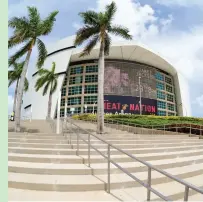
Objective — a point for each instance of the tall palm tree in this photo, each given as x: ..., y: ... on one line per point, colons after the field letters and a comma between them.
x: 97, y: 29
x: 14, y: 76
x: 27, y: 31
x: 48, y: 80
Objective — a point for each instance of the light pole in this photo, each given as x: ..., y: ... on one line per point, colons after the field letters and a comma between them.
x: 140, y: 96
x: 58, y: 114
x: 94, y: 105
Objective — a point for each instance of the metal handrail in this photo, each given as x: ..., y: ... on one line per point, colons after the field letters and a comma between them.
x: 150, y: 166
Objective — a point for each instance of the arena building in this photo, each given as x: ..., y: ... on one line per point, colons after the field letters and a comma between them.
x: 164, y: 90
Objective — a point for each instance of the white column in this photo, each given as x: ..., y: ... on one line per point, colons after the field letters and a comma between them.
x: 58, y: 114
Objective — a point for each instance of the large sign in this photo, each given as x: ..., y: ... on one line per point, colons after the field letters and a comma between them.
x: 115, y: 104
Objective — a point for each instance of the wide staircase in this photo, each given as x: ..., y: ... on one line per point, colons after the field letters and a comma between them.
x: 51, y: 167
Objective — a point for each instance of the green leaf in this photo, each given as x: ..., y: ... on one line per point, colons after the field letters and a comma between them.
x: 42, y: 53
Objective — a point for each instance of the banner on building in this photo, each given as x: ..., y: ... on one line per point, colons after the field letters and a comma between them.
x: 115, y: 104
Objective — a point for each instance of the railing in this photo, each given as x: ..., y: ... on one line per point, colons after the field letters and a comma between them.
x: 150, y: 167
x: 152, y: 128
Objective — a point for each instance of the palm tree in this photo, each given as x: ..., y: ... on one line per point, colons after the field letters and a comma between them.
x: 27, y: 31
x: 14, y: 76
x: 48, y: 80
x: 97, y: 29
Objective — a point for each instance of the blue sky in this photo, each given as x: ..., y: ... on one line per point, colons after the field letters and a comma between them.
x: 174, y: 28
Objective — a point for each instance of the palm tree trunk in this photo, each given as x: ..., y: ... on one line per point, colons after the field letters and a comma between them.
x: 15, y: 97
x: 100, y: 98
x: 49, y: 104
x: 20, y: 92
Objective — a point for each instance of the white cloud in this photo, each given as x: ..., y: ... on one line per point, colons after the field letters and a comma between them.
x: 185, y: 3
x: 183, y: 49
x: 199, y: 101
x: 10, y: 104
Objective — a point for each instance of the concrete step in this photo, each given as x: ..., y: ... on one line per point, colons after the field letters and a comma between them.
x: 68, y: 151
x: 100, y: 146
x: 40, y: 158
x: 82, y: 169
x: 173, y: 190
x: 90, y: 182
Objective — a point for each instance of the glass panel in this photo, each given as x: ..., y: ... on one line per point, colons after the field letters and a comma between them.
x: 63, y: 102
x: 62, y: 112
x: 63, y: 92
x: 76, y: 111
x: 160, y: 86
x: 170, y: 98
x: 169, y: 89
x: 91, y: 89
x: 171, y: 107
x: 91, y: 78
x: 74, y: 101
x: 168, y: 80
x: 161, y: 95
x: 74, y: 90
x: 91, y: 69
x: 75, y: 80
x: 159, y: 76
x: 76, y: 70
x: 161, y: 113
x: 90, y: 99
x: 161, y: 105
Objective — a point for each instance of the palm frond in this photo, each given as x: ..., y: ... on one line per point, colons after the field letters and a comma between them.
x: 11, y: 81
x: 54, y: 85
x: 18, y: 23
x: 34, y: 19
x: 46, y: 25
x: 107, y: 43
x: 46, y: 88
x: 40, y: 82
x: 20, y: 53
x: 90, y: 18
x: 26, y: 85
x: 110, y: 11
x: 91, y: 44
x: 85, y: 33
x: 53, y: 67
x: 121, y: 31
x: 42, y: 53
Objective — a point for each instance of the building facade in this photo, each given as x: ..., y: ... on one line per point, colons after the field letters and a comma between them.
x: 130, y: 69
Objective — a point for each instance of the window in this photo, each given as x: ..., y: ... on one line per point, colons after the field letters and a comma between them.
x: 161, y: 95
x: 76, y: 111
x: 90, y: 89
x: 76, y: 70
x: 63, y: 92
x: 75, y: 90
x: 161, y: 105
x: 160, y: 86
x: 171, y: 114
x: 170, y: 98
x: 62, y: 112
x: 75, y: 80
x: 168, y: 80
x: 91, y: 69
x: 159, y: 76
x: 74, y: 101
x: 161, y: 113
x: 65, y: 81
x: 90, y: 99
x: 91, y: 78
x: 171, y: 107
x: 63, y: 102
x: 169, y: 89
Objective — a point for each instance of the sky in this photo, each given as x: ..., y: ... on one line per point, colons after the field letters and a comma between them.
x: 173, y: 28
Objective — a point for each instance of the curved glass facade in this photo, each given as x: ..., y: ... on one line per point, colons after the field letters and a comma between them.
x: 80, y: 86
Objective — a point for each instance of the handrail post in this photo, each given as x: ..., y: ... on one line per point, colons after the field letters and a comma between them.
x: 186, y: 193
x: 77, y: 144
x: 149, y: 181
x: 89, y: 150
x: 152, y: 130
x: 109, y: 172
x: 164, y: 129
x: 190, y: 129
